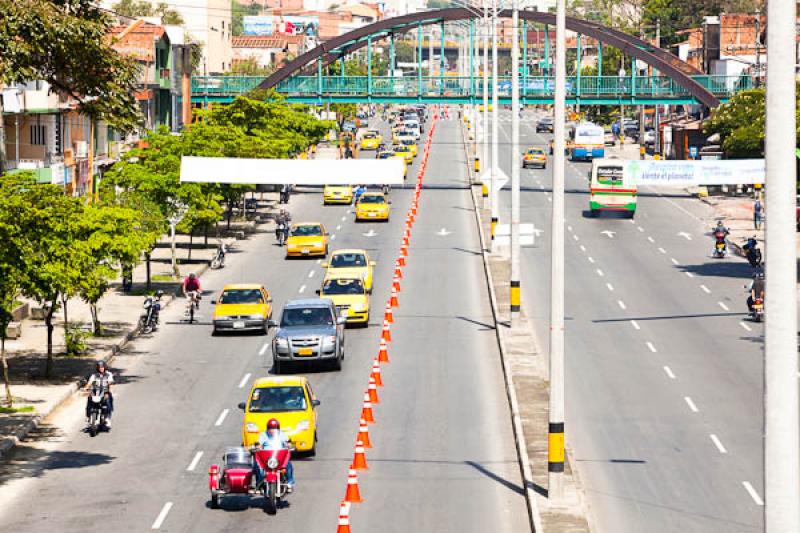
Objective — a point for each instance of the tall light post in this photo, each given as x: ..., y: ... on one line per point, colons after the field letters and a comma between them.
x: 494, y: 195
x: 555, y: 448
x: 514, y: 291
x: 485, y: 153
x: 781, y: 440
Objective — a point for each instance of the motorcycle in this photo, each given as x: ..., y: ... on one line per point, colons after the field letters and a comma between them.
x: 238, y: 476
x: 720, y: 246
x: 148, y: 321
x: 218, y: 261
x: 757, y: 314
x: 98, y: 409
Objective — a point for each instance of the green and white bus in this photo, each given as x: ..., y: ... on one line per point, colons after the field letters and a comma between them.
x: 610, y: 189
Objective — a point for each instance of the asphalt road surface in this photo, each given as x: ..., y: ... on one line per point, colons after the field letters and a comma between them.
x: 443, y: 457
x: 663, y: 368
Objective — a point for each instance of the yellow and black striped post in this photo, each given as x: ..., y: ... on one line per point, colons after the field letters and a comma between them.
x: 555, y: 447
x: 494, y: 226
x: 515, y: 296
x: 484, y: 190
x: 478, y: 169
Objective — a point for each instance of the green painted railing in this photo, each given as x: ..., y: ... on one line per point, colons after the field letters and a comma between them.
x: 535, y: 87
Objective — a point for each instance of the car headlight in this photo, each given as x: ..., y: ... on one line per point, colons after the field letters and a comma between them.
x: 331, y: 339
x: 359, y: 307
x: 251, y: 428
x: 272, y: 463
x: 281, y: 342
x: 303, y: 425
x: 255, y: 317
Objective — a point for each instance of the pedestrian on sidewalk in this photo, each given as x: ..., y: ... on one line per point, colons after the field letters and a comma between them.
x: 758, y: 213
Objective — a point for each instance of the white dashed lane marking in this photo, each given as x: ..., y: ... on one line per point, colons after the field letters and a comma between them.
x: 609, y: 286
x: 162, y: 516
x: 196, y: 459
x: 635, y: 325
x: 600, y: 273
x: 668, y: 371
x: 691, y: 404
x: 723, y: 306
x: 244, y: 381
x: 705, y: 289
x: 651, y: 347
x: 221, y: 417
x: 753, y: 494
x: 745, y: 326
x: 621, y: 304
x: 718, y: 444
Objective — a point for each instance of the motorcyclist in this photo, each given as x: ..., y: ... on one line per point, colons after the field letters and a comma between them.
x: 282, y: 221
x: 358, y: 192
x: 284, y: 194
x: 191, y: 288
x: 720, y: 233
x: 753, y: 253
x: 756, y: 289
x: 274, y: 439
x: 105, y: 379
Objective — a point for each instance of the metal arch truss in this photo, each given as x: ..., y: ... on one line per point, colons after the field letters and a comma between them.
x: 659, y: 59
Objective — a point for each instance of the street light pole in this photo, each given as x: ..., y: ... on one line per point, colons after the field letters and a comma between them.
x: 781, y: 411
x: 485, y: 121
x: 494, y: 194
x: 555, y: 448
x: 515, y: 167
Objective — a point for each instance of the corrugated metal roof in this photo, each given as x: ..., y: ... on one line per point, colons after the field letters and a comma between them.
x: 266, y: 41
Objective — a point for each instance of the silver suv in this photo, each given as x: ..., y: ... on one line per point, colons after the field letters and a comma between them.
x: 309, y: 330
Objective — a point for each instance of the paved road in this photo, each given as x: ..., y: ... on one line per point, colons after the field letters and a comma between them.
x: 444, y: 456
x: 663, y: 369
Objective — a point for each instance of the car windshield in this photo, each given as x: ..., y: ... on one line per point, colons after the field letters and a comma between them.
x: 408, y: 142
x: 306, y: 231
x: 369, y: 136
x: 242, y: 296
x: 372, y: 199
x: 400, y: 149
x: 385, y: 155
x: 277, y: 399
x: 307, y: 316
x: 348, y: 261
x: 343, y: 286
x: 536, y: 151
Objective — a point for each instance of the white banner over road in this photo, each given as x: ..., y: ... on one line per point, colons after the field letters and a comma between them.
x: 681, y: 173
x: 293, y: 171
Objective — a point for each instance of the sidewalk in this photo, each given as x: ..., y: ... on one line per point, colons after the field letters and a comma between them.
x: 118, y: 314
x: 736, y: 212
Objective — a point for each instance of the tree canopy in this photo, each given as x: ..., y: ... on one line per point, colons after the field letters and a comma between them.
x: 142, y: 8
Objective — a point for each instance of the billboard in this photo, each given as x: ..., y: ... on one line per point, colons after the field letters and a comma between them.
x: 288, y: 24
x: 680, y: 173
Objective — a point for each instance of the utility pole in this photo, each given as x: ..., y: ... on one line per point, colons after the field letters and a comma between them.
x: 485, y: 155
x: 781, y: 410
x: 758, y: 49
x: 555, y: 441
x: 515, y: 164
x: 494, y: 195
x: 656, y: 116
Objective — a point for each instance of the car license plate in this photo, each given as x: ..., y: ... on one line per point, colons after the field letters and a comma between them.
x: 304, y: 251
x: 305, y: 351
x: 373, y: 215
x: 238, y: 324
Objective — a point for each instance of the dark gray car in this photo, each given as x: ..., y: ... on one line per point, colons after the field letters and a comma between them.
x: 309, y: 330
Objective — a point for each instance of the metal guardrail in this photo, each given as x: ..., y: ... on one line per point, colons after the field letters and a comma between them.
x: 465, y: 87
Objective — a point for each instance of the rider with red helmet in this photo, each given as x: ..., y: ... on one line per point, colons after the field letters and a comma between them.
x: 274, y: 439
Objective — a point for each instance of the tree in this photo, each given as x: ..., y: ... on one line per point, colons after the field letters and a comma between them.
x: 678, y: 15
x: 142, y: 8
x: 238, y: 12
x: 65, y: 43
x: 250, y: 67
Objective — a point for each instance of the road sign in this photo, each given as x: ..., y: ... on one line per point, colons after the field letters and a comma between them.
x: 501, y: 178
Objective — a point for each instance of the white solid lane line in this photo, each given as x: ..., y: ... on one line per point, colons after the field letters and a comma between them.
x: 691, y: 404
x: 745, y: 326
x: 263, y: 349
x: 610, y: 287
x: 311, y: 274
x: 651, y: 347
x: 651, y: 239
x: 689, y: 274
x: 705, y: 289
x: 591, y: 259
x: 723, y: 306
x: 600, y: 273
x: 302, y: 289
x: 621, y: 304
x: 221, y: 417
x: 753, y: 494
x: 196, y: 460
x: 674, y: 261
x: 162, y: 515
x: 635, y: 324
x: 245, y: 379
x: 663, y: 251
x: 669, y: 373
x: 718, y: 444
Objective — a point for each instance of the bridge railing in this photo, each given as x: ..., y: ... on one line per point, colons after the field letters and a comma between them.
x: 450, y: 86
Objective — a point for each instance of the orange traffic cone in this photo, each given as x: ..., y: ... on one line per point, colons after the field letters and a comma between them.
x: 388, y: 315
x: 366, y: 411
x: 376, y: 372
x: 403, y: 251
x: 398, y: 272
x: 363, y: 434
x: 385, y: 333
x: 393, y: 302
x: 353, y: 495
x: 383, y: 353
x: 401, y: 261
x: 372, y: 390
x: 344, y: 514
x: 359, y: 459
x: 396, y: 284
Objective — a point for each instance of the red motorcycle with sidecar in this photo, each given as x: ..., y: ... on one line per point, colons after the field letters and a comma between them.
x: 238, y: 475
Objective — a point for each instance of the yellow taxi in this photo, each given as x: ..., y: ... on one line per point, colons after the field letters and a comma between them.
x: 349, y: 295
x: 412, y: 145
x: 370, y: 141
x: 291, y: 401
x: 372, y: 206
x: 534, y: 157
x: 337, y: 194
x: 403, y: 151
x: 350, y: 263
x: 242, y: 307
x: 307, y: 239
x: 488, y: 108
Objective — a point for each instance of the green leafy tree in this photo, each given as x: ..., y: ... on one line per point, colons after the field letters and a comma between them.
x: 250, y: 67
x: 238, y: 12
x: 142, y: 8
x: 678, y: 15
x: 65, y: 43
x: 740, y: 124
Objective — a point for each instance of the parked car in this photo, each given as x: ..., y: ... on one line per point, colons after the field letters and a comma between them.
x: 309, y: 330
